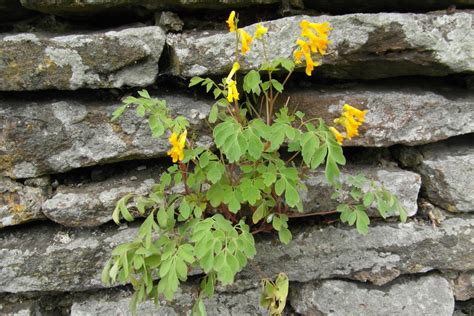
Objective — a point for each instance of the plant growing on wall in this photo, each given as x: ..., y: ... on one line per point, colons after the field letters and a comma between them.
x: 207, y: 206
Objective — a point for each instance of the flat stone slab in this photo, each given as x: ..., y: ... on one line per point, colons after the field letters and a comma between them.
x: 113, y: 302
x: 379, y: 257
x: 112, y: 59
x: 366, y: 46
x: 20, y: 203
x: 53, y: 258
x: 58, y: 135
x: 92, y: 204
x: 405, y: 185
x: 426, y: 295
x: 447, y: 172
x: 398, y: 113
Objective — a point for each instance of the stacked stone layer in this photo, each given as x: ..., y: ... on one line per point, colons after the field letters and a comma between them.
x: 56, y: 199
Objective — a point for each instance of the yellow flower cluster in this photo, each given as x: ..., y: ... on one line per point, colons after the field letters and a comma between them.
x: 311, y: 43
x: 351, y: 118
x: 232, y: 92
x: 245, y: 38
x: 177, y: 151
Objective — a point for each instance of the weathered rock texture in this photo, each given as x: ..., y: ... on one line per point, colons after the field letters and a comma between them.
x: 381, y: 256
x: 365, y: 46
x: 403, y: 184
x: 112, y: 303
x: 429, y: 295
x: 20, y: 203
x: 92, y: 204
x: 447, y: 171
x: 53, y: 136
x: 384, y: 6
x: 398, y: 114
x: 50, y: 258
x: 111, y: 59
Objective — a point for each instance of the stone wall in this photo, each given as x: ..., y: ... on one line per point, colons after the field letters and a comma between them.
x: 65, y: 66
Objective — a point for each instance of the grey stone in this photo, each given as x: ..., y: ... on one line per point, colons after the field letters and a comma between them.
x: 53, y: 258
x: 405, y: 185
x: 426, y: 295
x: 463, y: 286
x: 398, y: 113
x: 67, y: 7
x: 116, y: 302
x: 169, y: 21
x: 20, y: 203
x: 365, y: 46
x: 15, y: 306
x: 447, y: 170
x: 379, y: 257
x: 385, y: 6
x: 112, y: 59
x: 92, y: 204
x: 58, y: 135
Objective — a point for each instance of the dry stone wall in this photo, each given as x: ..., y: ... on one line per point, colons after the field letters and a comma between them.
x: 66, y: 65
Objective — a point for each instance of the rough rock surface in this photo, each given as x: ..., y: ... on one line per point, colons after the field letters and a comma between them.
x: 428, y: 295
x: 112, y: 59
x: 403, y: 184
x: 51, y: 258
x: 67, y: 7
x: 244, y: 303
x: 92, y: 204
x: 463, y: 286
x: 365, y: 46
x: 385, y: 253
x: 384, y: 6
x: 20, y: 203
x: 447, y: 170
x: 57, y: 135
x: 398, y: 113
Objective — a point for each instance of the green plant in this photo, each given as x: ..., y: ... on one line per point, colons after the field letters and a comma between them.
x: 206, y: 208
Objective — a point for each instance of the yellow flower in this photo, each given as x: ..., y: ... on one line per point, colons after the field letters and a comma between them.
x: 305, y: 50
x: 261, y: 30
x: 232, y: 92
x: 177, y: 151
x: 246, y: 40
x: 235, y: 67
x: 231, y: 21
x: 339, y: 136
x: 318, y: 44
x: 297, y: 54
x: 360, y: 115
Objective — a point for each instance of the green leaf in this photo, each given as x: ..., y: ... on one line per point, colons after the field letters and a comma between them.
x: 292, y: 196
x: 277, y: 85
x: 368, y: 198
x: 119, y: 111
x: 249, y: 191
x: 194, y: 81
x: 213, y: 113
x: 332, y: 171
x: 260, y: 212
x: 184, y: 209
x: 363, y: 221
x: 144, y: 94
x: 252, y: 82
x: 284, y: 235
x: 269, y: 178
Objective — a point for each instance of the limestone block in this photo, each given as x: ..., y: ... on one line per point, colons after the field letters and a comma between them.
x: 60, y: 134
x: 20, y: 203
x: 53, y: 258
x: 426, y: 295
x: 398, y: 113
x: 367, y: 46
x: 447, y: 172
x: 112, y: 59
